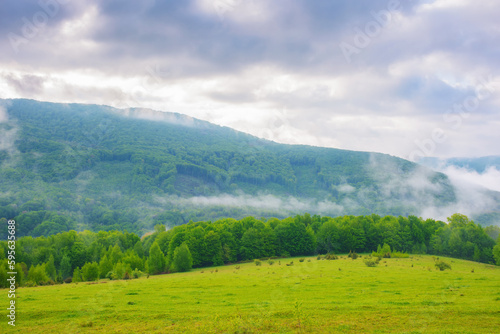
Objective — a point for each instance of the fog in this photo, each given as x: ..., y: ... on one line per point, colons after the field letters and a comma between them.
x: 263, y: 202
x: 8, y: 132
x: 417, y: 189
x: 489, y: 179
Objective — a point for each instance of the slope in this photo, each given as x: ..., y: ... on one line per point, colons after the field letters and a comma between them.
x: 73, y: 166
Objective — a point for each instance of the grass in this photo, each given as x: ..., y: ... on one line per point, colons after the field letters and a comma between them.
x: 317, y: 296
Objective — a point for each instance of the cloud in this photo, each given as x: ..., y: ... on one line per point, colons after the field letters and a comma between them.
x: 273, y: 69
x: 8, y: 134
x: 489, y: 179
x: 25, y: 84
x: 4, y: 116
x: 285, y: 205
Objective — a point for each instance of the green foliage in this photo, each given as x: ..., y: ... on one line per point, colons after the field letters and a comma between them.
x: 353, y: 255
x: 77, y: 275
x: 331, y: 256
x: 441, y: 265
x: 183, y: 261
x: 385, y: 252
x: 496, y: 252
x: 371, y: 262
x: 229, y: 240
x: 65, y: 267
x: 257, y: 262
x: 134, y: 162
x: 50, y: 268
x: 137, y: 273
x: 90, y: 272
x: 38, y: 275
x: 328, y: 237
x: 399, y: 255
x: 105, y: 266
x: 156, y: 259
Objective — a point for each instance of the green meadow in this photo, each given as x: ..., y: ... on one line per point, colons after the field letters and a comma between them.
x: 405, y: 295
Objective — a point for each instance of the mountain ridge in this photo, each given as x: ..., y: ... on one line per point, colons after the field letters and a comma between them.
x: 95, y: 167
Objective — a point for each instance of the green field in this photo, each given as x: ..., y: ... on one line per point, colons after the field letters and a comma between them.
x: 315, y: 296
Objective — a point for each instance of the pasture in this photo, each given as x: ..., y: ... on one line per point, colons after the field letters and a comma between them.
x: 405, y: 295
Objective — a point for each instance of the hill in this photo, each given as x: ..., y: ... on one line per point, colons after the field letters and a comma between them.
x: 74, y: 166
x: 314, y: 296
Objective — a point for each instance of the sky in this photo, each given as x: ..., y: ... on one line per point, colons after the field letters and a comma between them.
x: 407, y: 78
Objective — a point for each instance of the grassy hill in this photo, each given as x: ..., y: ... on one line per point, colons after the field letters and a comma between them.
x: 405, y: 295
x: 73, y: 166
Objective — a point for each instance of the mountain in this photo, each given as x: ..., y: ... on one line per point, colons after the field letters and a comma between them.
x: 481, y: 171
x: 74, y: 166
x: 479, y: 165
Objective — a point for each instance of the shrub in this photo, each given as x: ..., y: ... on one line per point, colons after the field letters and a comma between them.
x: 271, y: 262
x: 111, y: 275
x: 370, y: 262
x: 331, y: 256
x: 353, y: 255
x: 302, y: 260
x: 441, y: 265
x: 136, y: 273
x: 399, y: 255
x: 319, y: 257
x: 257, y: 262
x: 68, y: 280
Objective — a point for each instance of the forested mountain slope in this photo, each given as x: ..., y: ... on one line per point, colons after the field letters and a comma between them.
x: 73, y: 166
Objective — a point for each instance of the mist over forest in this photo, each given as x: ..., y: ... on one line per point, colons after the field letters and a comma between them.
x: 74, y: 166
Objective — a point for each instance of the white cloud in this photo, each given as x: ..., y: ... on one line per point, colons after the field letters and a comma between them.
x: 271, y: 70
x: 489, y: 179
x: 285, y: 206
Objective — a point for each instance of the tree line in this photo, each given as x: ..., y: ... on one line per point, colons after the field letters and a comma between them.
x: 87, y: 256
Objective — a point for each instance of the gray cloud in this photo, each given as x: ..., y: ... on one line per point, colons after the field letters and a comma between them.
x: 25, y: 84
x: 225, y: 60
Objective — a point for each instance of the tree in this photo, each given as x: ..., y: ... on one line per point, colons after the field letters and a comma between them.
x: 328, y: 237
x: 78, y: 254
x: 50, y: 268
x: 156, y: 259
x: 496, y: 252
x: 213, y: 249
x: 133, y: 260
x: 105, y: 266
x: 37, y: 274
x: 115, y: 254
x: 183, y: 261
x: 65, y: 267
x: 90, y: 271
x: 458, y: 220
x: 77, y: 275
x: 138, y: 249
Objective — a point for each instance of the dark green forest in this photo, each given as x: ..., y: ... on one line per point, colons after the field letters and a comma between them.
x: 88, y: 167
x: 87, y: 256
